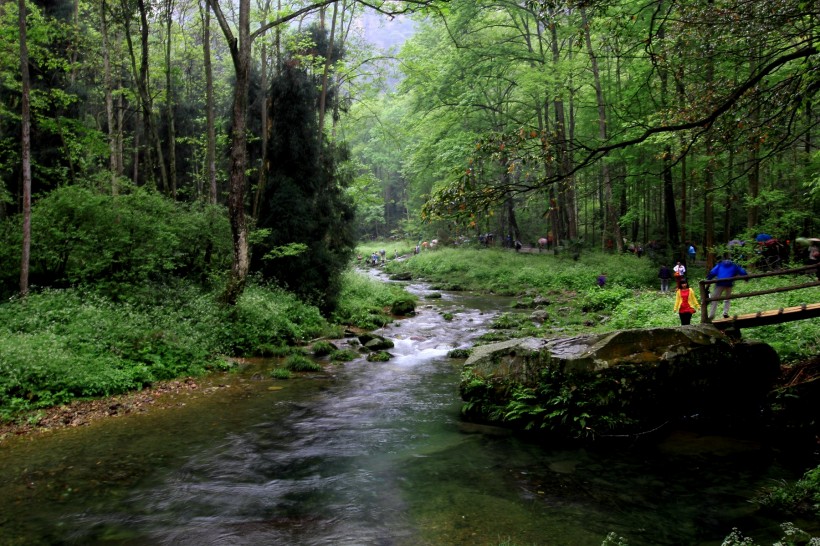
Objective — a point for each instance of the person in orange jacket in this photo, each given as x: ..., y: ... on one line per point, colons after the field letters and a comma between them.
x: 686, y: 303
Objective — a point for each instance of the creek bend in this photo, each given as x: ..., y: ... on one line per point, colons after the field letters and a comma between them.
x: 369, y: 454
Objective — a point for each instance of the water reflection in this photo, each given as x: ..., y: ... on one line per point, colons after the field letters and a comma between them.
x: 367, y: 454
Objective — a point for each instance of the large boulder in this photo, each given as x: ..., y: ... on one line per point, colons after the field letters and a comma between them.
x: 625, y: 383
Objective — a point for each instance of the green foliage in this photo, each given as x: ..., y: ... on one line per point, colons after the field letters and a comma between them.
x: 378, y: 356
x: 290, y: 249
x: 344, y: 355
x: 80, y: 236
x: 271, y: 316
x: 792, y: 536
x: 305, y: 207
x: 365, y: 302
x: 58, y: 345
x: 281, y: 373
x: 322, y: 348
x: 569, y: 405
x: 614, y: 539
x: 301, y: 363
x: 506, y: 272
x: 459, y: 353
x: 606, y: 298
x: 798, y: 498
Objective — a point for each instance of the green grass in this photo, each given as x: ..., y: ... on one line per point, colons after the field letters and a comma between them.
x: 301, y: 363
x: 60, y: 345
x: 344, y: 355
x: 365, y: 302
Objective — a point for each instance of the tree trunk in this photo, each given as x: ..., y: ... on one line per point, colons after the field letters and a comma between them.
x: 169, y: 102
x: 210, y: 145
x: 25, y: 156
x: 752, y: 218
x: 240, y: 54
x: 514, y: 229
x: 262, y: 174
x: 325, y: 71
x: 566, y: 191
x: 669, y: 210
x: 109, y: 100
x: 709, y: 173
x: 612, y: 227
x: 145, y: 99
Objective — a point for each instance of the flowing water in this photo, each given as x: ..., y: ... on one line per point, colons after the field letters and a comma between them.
x: 368, y: 454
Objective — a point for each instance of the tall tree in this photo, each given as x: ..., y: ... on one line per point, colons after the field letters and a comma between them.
x: 240, y: 50
x: 305, y: 206
x: 169, y: 99
x: 210, y: 131
x: 25, y: 156
x: 613, y: 228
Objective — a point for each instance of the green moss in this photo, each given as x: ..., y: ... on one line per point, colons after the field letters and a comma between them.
x: 379, y: 356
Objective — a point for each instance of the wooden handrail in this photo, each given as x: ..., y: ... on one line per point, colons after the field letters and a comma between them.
x: 706, y: 299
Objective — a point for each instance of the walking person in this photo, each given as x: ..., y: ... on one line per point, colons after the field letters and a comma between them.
x: 679, y: 271
x: 686, y: 303
x: 725, y: 269
x: 692, y: 253
x: 664, y: 274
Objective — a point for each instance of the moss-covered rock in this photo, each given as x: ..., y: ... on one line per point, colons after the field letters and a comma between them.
x: 621, y: 383
x: 403, y: 307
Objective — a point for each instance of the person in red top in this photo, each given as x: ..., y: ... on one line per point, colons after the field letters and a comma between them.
x: 686, y: 303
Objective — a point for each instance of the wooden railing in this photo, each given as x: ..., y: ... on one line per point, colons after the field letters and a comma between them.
x: 809, y: 309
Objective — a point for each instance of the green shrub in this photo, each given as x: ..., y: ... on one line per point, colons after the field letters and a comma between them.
x: 280, y: 373
x: 301, y: 363
x: 797, y: 498
x: 322, y: 348
x: 509, y: 321
x: 344, y: 355
x: 365, y: 302
x: 266, y: 315
x: 116, y: 242
x: 59, y: 345
x: 607, y: 298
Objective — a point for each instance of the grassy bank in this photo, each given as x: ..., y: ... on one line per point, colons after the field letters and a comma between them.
x: 62, y: 345
x: 631, y: 298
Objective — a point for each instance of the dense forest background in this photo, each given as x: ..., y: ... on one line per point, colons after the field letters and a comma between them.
x: 213, y: 141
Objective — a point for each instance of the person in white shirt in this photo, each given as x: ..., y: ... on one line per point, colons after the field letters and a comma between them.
x: 679, y: 271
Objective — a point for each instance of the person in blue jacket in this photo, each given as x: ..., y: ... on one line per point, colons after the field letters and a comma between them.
x: 725, y: 269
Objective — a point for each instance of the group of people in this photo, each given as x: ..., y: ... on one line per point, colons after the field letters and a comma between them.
x: 686, y: 301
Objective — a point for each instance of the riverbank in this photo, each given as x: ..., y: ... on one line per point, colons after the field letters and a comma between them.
x: 566, y: 289
x: 165, y: 395
x: 58, y: 347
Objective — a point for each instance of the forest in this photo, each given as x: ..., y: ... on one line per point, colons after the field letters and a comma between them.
x: 187, y: 182
x: 287, y: 136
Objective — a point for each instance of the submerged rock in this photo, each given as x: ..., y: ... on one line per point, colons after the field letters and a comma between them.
x: 627, y: 382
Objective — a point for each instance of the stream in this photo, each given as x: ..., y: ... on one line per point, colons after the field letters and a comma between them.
x: 369, y: 454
